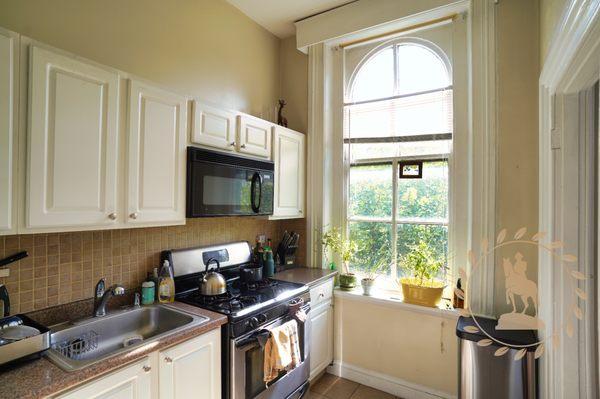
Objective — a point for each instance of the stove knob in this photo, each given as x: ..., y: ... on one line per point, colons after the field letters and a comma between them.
x: 262, y: 318
x: 254, y: 322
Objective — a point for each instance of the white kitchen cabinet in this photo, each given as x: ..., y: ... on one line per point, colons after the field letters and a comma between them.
x: 156, y: 155
x: 130, y: 382
x: 9, y: 73
x: 192, y: 369
x: 72, y: 142
x: 321, y: 317
x: 289, y: 158
x: 214, y: 127
x: 254, y: 136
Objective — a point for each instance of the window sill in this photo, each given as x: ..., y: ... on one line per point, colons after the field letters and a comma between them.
x: 388, y: 299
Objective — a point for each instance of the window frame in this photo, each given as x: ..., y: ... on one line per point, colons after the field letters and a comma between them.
x: 447, y: 157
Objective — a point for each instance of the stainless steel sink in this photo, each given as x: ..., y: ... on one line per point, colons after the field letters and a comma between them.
x: 75, y: 345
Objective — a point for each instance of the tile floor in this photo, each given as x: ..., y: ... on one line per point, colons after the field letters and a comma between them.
x: 331, y: 387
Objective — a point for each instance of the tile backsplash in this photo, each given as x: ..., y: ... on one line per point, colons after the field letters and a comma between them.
x: 64, y: 267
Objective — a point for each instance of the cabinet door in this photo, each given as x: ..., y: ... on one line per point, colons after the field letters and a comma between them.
x: 8, y: 129
x: 156, y: 155
x: 192, y: 369
x: 73, y: 135
x: 288, y: 155
x: 131, y: 382
x: 321, y: 344
x: 213, y: 127
x: 254, y: 136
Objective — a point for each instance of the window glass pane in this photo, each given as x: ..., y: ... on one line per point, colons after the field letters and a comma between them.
x: 374, y: 241
x: 425, y: 198
x: 364, y: 151
x: 375, y: 79
x: 371, y: 191
x: 429, y: 113
x: 410, y: 235
x: 420, y: 69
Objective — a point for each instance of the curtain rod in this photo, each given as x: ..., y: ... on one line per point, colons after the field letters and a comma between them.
x: 397, y: 31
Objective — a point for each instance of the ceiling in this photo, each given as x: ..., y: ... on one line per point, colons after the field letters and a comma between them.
x: 278, y: 16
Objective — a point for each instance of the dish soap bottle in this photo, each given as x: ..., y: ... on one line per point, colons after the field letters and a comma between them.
x: 166, y: 284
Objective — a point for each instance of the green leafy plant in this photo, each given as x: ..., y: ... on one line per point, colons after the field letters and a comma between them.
x: 422, y: 266
x: 333, y: 240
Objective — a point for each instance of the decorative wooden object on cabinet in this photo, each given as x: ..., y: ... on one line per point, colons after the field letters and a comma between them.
x: 214, y: 127
x: 192, y: 369
x: 130, y: 382
x: 254, y: 136
x: 72, y: 142
x: 9, y: 73
x: 289, y: 156
x: 321, y: 314
x: 156, y: 155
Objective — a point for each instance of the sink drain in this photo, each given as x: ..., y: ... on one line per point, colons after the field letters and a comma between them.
x: 134, y: 339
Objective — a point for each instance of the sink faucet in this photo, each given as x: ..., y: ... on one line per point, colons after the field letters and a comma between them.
x: 102, y: 296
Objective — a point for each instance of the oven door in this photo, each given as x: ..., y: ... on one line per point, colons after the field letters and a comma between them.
x: 226, y: 185
x: 247, y: 365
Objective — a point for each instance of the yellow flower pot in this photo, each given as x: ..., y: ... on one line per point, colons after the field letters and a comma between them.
x: 428, y: 295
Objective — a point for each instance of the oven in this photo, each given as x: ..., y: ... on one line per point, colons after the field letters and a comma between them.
x: 247, y: 359
x: 227, y: 185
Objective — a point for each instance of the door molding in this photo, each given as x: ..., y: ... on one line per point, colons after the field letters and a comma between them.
x: 568, y: 148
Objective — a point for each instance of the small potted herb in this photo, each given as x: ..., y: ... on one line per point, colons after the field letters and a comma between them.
x: 421, y: 285
x: 371, y: 271
x: 333, y: 241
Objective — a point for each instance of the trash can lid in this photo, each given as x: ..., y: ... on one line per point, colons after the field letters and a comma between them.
x: 510, y: 337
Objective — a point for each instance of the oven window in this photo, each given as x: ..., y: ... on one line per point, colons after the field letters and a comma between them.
x: 255, y: 359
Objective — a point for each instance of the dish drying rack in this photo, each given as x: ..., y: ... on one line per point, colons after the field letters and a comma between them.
x: 75, y: 348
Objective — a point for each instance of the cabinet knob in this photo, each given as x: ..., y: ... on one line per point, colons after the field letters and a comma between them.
x: 112, y: 216
x: 300, y: 211
x: 232, y: 144
x: 147, y: 368
x: 321, y: 295
x: 133, y: 215
x: 243, y: 146
x: 168, y: 359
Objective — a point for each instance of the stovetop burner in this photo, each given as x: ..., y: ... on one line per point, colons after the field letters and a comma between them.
x: 226, y: 302
x: 257, y: 285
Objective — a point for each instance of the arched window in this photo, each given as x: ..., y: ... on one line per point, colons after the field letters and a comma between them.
x: 398, y: 124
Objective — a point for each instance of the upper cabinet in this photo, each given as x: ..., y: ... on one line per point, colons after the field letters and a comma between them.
x: 213, y: 127
x: 156, y: 155
x: 254, y: 136
x: 8, y: 130
x: 289, y: 157
x: 72, y: 142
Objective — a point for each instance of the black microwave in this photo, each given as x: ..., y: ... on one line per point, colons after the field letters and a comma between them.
x: 221, y: 184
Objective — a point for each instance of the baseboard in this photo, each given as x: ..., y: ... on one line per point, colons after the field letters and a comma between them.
x: 386, y: 383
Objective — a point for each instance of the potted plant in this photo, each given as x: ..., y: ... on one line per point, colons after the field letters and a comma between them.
x: 421, y: 285
x: 333, y: 241
x: 371, y: 271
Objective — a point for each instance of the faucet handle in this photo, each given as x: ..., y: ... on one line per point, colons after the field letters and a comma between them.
x: 136, y: 300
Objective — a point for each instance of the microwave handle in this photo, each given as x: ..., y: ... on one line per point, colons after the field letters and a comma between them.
x: 256, y: 179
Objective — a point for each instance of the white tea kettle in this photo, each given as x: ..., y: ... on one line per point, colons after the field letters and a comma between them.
x: 213, y: 283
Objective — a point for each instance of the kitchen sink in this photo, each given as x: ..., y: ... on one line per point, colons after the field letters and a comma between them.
x: 78, y: 344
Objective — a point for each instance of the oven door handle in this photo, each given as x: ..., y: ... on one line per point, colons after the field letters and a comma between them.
x: 252, y: 338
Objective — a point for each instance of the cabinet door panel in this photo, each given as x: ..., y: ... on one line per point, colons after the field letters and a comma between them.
x: 131, y: 382
x: 192, y: 369
x: 254, y: 136
x: 321, y: 344
x: 73, y: 135
x: 213, y: 127
x: 8, y: 129
x: 157, y: 128
x: 289, y: 153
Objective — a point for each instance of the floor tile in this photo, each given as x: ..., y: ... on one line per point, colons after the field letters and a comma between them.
x: 364, y: 392
x: 323, y: 383
x: 314, y: 395
x: 333, y: 387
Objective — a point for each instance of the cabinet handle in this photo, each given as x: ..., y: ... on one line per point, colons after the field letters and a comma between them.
x: 112, y: 216
x: 168, y: 359
x: 147, y: 368
x: 321, y: 295
x: 300, y: 211
x: 232, y: 144
x: 133, y: 215
x: 243, y: 146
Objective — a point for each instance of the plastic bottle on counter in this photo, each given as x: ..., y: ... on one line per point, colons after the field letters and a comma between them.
x: 166, y: 284
x: 269, y: 264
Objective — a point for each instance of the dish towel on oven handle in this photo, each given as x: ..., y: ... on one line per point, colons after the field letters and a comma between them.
x: 282, y: 350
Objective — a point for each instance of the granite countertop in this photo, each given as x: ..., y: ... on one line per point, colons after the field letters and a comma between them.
x: 305, y: 275
x: 42, y: 378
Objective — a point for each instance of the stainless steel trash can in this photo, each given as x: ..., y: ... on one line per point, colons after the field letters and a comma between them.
x: 485, y: 376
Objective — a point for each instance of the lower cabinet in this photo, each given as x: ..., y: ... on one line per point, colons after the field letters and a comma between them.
x: 321, y: 339
x: 191, y: 369
x: 131, y: 382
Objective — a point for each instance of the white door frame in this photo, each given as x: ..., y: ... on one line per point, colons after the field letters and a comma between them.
x: 567, y: 192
